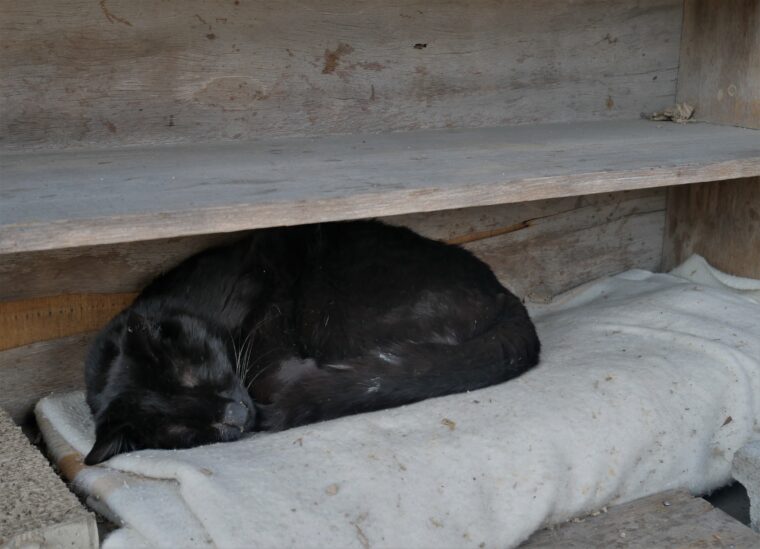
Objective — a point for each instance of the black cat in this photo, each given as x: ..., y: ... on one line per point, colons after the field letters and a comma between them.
x: 296, y: 325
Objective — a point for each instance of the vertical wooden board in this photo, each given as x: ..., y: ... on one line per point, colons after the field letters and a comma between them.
x: 720, y: 61
x: 718, y: 220
x: 87, y: 72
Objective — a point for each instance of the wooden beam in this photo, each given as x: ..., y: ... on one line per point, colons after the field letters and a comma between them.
x: 108, y: 196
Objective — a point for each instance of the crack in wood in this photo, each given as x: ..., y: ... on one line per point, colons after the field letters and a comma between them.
x: 112, y: 17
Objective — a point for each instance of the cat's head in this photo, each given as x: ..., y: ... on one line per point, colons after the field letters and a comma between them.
x: 168, y: 382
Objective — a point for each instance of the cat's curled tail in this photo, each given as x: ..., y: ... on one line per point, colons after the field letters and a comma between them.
x: 405, y: 371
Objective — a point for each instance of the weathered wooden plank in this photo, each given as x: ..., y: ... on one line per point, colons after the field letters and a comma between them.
x: 30, y: 372
x: 720, y: 61
x: 128, y: 267
x: 720, y: 221
x: 668, y: 519
x: 71, y: 199
x: 119, y: 72
x: 539, y: 249
x: 29, y: 320
x: 116, y: 268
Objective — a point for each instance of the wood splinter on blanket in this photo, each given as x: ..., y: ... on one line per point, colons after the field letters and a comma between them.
x: 679, y: 113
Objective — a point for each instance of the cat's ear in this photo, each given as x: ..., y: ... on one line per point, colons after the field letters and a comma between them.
x: 108, y: 443
x: 138, y: 336
x: 137, y: 324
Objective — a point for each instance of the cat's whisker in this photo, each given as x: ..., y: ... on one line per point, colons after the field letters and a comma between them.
x: 253, y: 363
x: 246, y: 361
x: 234, y: 351
x: 239, y: 362
x: 243, y: 362
x: 250, y: 383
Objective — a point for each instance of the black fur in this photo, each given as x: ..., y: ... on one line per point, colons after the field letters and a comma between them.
x: 295, y: 325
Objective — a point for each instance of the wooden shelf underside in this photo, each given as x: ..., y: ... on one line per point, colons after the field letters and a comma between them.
x: 87, y: 197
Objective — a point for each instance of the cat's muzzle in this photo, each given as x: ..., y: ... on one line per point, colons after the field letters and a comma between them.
x: 239, y: 417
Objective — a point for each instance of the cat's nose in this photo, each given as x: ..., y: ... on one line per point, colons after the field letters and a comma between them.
x: 236, y: 414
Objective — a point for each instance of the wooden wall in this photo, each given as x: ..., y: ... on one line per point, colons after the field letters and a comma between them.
x: 720, y: 61
x: 116, y: 72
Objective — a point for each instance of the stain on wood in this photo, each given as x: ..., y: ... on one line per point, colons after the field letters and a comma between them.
x: 160, y: 71
x: 332, y: 57
x: 718, y: 220
x: 28, y: 321
x: 720, y: 61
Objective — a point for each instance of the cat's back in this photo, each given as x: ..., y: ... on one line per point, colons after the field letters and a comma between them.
x: 374, y: 254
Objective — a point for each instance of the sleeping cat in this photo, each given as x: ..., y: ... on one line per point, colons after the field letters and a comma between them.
x: 295, y: 325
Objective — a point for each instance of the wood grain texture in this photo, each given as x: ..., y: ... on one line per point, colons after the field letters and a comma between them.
x: 114, y: 268
x: 30, y: 372
x: 57, y: 200
x: 84, y: 72
x: 720, y: 221
x: 669, y: 519
x: 720, y: 61
x: 128, y: 267
x: 42, y: 318
x: 539, y: 249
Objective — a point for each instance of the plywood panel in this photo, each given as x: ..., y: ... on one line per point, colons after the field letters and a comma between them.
x: 720, y: 221
x: 87, y: 72
x: 68, y: 199
x: 720, y: 61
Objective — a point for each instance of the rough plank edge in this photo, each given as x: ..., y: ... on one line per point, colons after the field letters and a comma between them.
x: 672, y: 518
x: 111, y: 230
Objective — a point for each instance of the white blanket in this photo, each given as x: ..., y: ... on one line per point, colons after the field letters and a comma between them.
x: 647, y: 382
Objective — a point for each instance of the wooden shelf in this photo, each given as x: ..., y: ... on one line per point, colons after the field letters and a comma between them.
x: 85, y: 197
